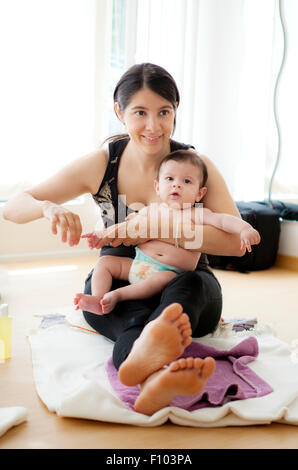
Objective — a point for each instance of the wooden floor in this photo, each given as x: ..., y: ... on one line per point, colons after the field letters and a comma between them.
x: 270, y: 295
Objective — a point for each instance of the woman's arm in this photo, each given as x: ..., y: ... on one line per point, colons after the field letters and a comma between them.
x: 44, y: 200
x: 201, y: 238
x: 139, y: 229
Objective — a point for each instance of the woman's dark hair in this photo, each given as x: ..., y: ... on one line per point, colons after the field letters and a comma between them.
x: 187, y: 156
x: 146, y: 75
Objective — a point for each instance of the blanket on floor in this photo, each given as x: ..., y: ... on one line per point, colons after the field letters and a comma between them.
x: 71, y: 378
x: 232, y: 378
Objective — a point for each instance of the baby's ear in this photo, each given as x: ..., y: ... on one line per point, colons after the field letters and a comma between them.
x: 156, y: 186
x: 201, y: 193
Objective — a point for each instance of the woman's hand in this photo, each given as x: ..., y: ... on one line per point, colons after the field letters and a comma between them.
x: 133, y: 231
x: 68, y: 222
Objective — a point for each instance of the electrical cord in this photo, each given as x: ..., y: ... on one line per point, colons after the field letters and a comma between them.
x: 275, y: 101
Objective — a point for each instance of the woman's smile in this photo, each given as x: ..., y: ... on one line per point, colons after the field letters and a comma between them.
x: 152, y: 140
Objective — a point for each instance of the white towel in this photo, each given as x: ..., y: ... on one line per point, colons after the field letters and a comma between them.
x: 70, y: 378
x: 11, y: 416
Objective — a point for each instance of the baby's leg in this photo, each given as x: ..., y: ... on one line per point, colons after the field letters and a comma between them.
x: 141, y: 290
x: 106, y: 269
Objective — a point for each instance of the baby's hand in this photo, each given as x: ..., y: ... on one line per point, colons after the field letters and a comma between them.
x: 249, y: 236
x: 93, y: 239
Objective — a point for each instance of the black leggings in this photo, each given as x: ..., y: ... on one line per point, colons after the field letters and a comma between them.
x: 198, y: 292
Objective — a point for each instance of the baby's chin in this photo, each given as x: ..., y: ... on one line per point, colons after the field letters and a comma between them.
x: 180, y: 204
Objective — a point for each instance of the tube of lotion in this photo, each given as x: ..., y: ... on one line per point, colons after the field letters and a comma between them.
x: 5, y: 332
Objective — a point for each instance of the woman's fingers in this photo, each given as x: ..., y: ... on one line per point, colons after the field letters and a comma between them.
x: 54, y: 222
x: 79, y: 229
x: 63, y: 227
x: 70, y: 227
x: 69, y: 223
x: 74, y: 229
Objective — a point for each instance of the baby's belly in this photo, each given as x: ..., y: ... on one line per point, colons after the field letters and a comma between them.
x: 168, y: 254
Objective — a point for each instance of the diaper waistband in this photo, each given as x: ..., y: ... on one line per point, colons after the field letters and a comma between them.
x: 141, y: 256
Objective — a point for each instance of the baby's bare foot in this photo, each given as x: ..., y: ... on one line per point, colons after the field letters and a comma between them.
x: 89, y: 303
x: 109, y: 301
x: 162, y: 341
x: 183, y: 377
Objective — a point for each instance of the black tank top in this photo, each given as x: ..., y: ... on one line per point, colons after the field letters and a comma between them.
x: 112, y: 208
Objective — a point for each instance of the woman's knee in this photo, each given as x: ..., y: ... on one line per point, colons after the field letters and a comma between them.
x: 187, y: 286
x: 198, y: 292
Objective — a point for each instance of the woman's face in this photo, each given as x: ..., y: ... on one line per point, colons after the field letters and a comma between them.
x: 149, y: 120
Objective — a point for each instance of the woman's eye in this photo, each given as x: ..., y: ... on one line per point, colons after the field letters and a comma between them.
x: 140, y: 113
x: 164, y: 112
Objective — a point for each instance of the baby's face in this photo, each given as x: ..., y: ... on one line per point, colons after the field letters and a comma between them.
x: 179, y: 184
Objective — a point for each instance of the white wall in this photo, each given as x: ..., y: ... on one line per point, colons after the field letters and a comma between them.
x: 288, y: 242
x: 34, y: 240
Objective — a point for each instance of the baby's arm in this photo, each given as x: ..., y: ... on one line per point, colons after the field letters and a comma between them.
x: 142, y: 212
x: 231, y: 224
x: 95, y: 238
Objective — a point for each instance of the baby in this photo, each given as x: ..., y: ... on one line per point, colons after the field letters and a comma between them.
x: 180, y: 184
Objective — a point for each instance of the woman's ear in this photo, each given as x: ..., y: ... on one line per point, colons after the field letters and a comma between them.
x: 201, y: 193
x: 118, y: 111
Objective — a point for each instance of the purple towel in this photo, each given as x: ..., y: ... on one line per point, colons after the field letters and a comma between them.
x: 232, y: 379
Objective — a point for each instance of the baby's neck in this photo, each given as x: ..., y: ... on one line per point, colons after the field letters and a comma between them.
x: 178, y: 207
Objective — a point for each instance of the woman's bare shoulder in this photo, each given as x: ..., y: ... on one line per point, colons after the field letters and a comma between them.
x: 91, y: 168
x: 82, y: 175
x: 218, y: 197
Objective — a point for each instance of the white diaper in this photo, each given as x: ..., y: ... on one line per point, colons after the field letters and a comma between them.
x: 144, y: 266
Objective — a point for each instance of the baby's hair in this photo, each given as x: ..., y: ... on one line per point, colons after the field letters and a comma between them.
x: 187, y: 156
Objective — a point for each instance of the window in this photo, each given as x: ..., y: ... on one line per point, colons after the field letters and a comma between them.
x: 46, y: 88
x: 117, y: 58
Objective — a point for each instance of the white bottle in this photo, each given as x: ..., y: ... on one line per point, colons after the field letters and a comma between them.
x: 5, y: 333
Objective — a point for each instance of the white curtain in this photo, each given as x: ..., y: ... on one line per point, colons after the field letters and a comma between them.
x: 54, y: 56
x: 200, y: 42
x: 225, y: 56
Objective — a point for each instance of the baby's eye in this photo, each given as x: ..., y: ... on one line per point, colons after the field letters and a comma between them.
x: 169, y: 178
x: 187, y: 181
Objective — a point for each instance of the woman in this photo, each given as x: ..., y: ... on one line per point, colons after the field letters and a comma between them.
x: 148, y: 334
